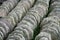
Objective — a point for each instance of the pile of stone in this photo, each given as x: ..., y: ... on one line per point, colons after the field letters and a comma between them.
x: 19, y: 19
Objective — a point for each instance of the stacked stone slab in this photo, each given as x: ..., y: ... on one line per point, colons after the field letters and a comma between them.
x: 24, y: 30
x: 7, y: 6
x: 51, y: 25
x: 8, y: 23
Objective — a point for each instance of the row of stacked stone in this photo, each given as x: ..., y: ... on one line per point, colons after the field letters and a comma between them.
x: 51, y: 25
x: 8, y: 23
x: 24, y: 30
x: 7, y: 6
